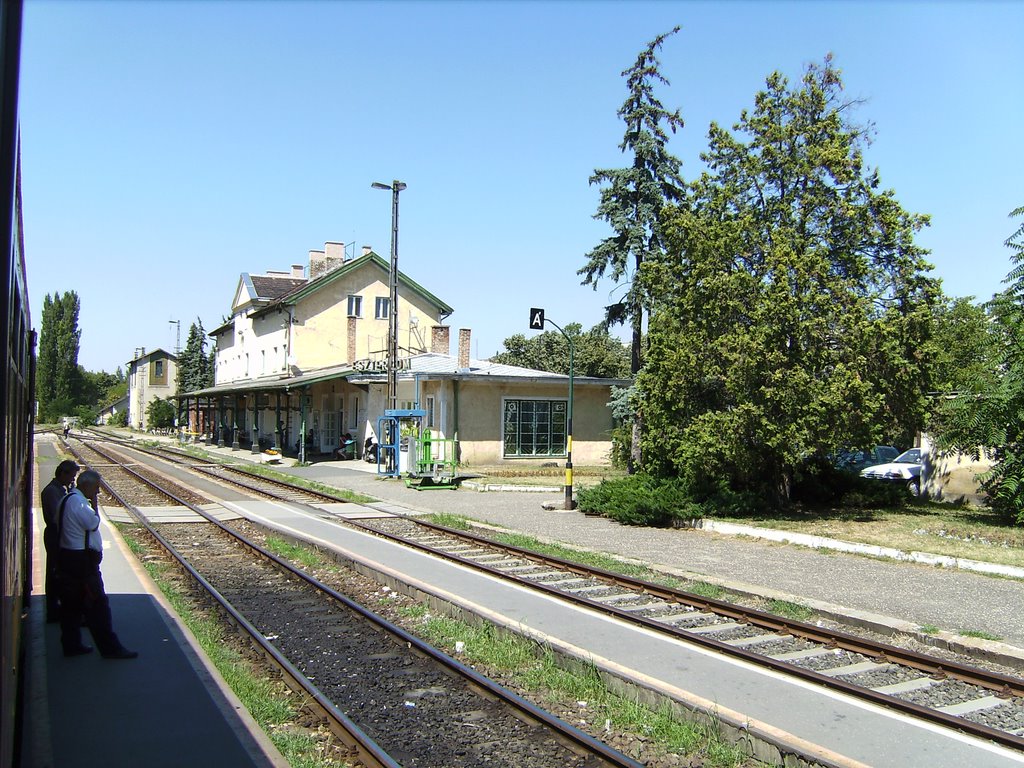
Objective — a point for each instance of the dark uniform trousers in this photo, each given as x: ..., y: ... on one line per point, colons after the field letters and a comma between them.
x: 82, y: 595
x: 51, y: 543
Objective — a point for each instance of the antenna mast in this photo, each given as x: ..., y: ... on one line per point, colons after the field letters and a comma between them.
x: 177, y: 341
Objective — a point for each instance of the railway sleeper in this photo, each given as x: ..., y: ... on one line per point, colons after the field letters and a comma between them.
x: 965, y: 707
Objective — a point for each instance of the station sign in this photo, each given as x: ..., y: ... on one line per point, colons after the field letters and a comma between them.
x: 366, y: 365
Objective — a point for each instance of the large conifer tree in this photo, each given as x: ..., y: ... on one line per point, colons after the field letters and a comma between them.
x: 796, y: 311
x: 632, y: 199
x: 195, y: 370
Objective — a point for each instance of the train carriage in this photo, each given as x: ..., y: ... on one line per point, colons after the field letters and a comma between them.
x: 17, y: 402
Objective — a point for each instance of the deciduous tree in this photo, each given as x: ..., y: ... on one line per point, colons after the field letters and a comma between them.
x: 58, y: 381
x: 598, y: 353
x: 988, y: 411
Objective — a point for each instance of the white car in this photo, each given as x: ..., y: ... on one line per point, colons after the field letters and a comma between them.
x: 905, y: 468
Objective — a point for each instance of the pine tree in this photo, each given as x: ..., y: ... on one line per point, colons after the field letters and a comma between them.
x: 194, y: 365
x: 633, y: 200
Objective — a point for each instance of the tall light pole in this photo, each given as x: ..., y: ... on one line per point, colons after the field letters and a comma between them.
x: 537, y: 320
x: 395, y: 186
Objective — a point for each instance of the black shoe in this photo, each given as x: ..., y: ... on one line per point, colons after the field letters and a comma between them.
x: 121, y: 653
x: 79, y: 651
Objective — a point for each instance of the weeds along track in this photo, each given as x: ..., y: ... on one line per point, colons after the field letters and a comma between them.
x: 397, y: 700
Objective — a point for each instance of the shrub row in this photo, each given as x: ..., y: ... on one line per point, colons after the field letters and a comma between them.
x: 645, y: 500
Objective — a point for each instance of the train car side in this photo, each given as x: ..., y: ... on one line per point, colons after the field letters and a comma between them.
x: 17, y: 402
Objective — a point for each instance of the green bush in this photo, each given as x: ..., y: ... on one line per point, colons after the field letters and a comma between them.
x: 119, y: 419
x: 640, y: 500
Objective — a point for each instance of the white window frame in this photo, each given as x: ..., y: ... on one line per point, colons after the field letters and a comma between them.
x: 355, y: 305
x: 382, y: 308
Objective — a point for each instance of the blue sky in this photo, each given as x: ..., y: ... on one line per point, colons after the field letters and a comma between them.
x: 170, y: 146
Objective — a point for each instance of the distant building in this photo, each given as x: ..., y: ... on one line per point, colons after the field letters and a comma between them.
x: 151, y: 376
x: 114, y: 408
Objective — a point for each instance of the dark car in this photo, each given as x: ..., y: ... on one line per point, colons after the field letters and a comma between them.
x: 856, y: 460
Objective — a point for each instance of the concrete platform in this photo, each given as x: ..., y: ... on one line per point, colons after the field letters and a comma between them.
x: 822, y: 724
x: 166, y: 709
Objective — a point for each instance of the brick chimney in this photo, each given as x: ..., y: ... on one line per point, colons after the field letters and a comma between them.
x: 464, y: 347
x: 334, y: 250
x: 439, y: 340
x: 298, y: 271
x: 317, y: 264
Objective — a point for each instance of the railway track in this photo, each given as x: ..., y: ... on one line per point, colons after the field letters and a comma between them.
x: 954, y: 695
x: 392, y: 698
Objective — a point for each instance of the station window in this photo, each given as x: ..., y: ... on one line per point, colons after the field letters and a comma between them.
x: 382, y: 308
x: 159, y: 368
x: 430, y: 411
x: 534, y: 428
x: 355, y: 306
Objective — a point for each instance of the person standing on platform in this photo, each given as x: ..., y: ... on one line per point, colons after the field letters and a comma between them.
x: 55, y: 490
x: 82, y: 593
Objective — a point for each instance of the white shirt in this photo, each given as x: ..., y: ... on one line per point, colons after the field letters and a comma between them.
x: 80, y: 521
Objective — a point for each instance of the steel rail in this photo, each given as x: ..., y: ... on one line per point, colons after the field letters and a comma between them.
x: 365, y: 748
x: 573, y: 738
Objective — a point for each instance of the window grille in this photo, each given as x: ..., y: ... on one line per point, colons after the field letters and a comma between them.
x: 534, y: 428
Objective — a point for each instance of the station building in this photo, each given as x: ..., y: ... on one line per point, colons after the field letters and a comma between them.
x: 303, y: 358
x: 151, y: 376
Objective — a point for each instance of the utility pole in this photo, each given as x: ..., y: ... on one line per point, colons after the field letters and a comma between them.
x: 395, y: 187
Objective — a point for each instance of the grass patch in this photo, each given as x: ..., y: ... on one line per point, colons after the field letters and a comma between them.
x: 270, y: 702
x: 928, y: 629
x: 980, y: 634
x: 308, y: 557
x: 448, y: 520
x: 593, y: 559
x: 301, y: 482
x: 974, y: 533
x: 534, y: 475
x: 536, y: 670
x: 790, y: 610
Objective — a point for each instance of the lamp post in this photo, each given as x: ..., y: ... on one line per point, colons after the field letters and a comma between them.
x: 537, y: 320
x: 396, y: 187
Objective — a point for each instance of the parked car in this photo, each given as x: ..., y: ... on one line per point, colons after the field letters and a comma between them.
x: 856, y: 460
x: 905, y: 468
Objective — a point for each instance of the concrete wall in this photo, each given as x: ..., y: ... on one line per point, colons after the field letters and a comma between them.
x: 950, y: 476
x: 480, y: 414
x: 144, y: 387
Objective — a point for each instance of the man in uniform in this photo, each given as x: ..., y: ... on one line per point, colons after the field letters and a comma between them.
x: 82, y: 592
x: 55, y: 490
